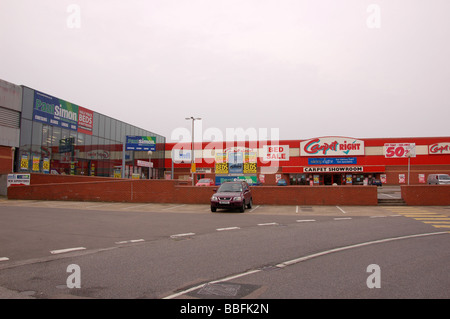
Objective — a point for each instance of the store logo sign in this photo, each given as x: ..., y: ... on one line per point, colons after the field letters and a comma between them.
x: 439, y: 148
x: 332, y: 146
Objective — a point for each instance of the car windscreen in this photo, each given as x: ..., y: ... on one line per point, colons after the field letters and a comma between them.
x: 230, y: 188
x: 204, y: 180
x: 444, y: 178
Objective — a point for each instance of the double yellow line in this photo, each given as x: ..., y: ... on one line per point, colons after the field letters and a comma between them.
x: 435, y: 219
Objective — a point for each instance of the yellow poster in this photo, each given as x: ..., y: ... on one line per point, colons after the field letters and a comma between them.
x: 36, y: 161
x: 24, y: 162
x: 46, y: 165
x: 221, y: 168
x: 249, y: 168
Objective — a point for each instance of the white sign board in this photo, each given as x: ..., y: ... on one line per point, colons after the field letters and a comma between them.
x: 18, y: 179
x: 397, y: 150
x: 181, y: 156
x: 275, y: 153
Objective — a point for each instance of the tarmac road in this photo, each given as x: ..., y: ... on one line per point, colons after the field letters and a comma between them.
x: 185, y: 251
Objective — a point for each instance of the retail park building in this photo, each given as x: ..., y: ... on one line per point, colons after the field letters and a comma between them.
x: 41, y: 133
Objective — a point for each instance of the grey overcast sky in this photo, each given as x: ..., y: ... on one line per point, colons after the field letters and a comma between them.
x: 310, y: 68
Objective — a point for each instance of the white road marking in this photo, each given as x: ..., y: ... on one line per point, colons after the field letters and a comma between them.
x: 267, y: 224
x: 62, y: 251
x: 182, y: 235
x: 305, y: 220
x: 95, y: 206
x: 390, y: 195
x: 377, y: 216
x: 298, y: 260
x: 342, y: 218
x: 142, y: 205
x: 172, y: 207
x: 4, y: 258
x: 130, y: 241
x: 254, y: 209
x: 296, y: 209
x: 227, y: 228
x: 343, y: 211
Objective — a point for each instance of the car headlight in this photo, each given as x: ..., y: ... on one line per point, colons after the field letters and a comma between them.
x: 214, y: 198
x: 237, y: 198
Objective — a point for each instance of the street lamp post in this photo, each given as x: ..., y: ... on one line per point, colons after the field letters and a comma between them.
x: 192, y: 146
x: 150, y: 169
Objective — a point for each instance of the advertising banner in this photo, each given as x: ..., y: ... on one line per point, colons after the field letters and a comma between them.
x: 275, y: 153
x: 53, y: 111
x: 422, y: 178
x: 221, y: 168
x: 332, y: 146
x: 18, y: 179
x: 251, y: 180
x: 332, y: 161
x: 398, y: 150
x: 250, y: 168
x: 140, y: 143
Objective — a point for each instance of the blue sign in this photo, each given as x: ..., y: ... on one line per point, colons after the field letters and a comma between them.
x: 332, y: 161
x: 251, y: 180
x: 140, y: 143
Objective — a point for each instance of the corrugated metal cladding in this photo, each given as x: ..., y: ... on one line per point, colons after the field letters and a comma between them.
x: 9, y: 118
x: 10, y: 96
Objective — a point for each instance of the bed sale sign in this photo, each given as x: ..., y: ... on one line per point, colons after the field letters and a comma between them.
x: 275, y: 153
x: 399, y: 150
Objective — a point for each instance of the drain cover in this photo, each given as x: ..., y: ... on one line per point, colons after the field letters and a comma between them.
x: 224, y: 290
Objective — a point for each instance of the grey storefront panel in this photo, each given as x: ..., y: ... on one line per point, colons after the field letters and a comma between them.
x: 52, y: 149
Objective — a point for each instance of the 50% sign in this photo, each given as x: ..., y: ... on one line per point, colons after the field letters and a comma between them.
x: 399, y: 150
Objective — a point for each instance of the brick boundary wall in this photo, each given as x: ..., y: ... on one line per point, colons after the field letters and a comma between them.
x: 426, y: 195
x: 173, y: 191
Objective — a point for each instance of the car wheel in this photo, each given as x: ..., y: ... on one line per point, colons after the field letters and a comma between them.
x: 242, y: 208
x: 250, y: 203
x: 213, y: 209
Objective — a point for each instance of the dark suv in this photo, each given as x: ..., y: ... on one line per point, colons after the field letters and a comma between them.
x: 232, y: 195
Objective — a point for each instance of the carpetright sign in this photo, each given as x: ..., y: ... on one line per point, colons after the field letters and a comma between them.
x: 332, y: 146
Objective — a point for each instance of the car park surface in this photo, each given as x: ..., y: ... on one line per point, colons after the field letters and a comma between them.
x: 147, y: 250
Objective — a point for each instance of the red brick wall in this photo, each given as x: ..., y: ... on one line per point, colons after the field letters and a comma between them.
x: 6, y: 160
x: 423, y: 195
x: 316, y: 195
x: 37, y: 178
x: 169, y: 191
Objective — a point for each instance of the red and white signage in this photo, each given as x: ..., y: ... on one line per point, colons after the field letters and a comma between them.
x: 439, y: 148
x: 397, y: 150
x: 144, y: 163
x: 85, y: 120
x: 332, y: 146
x: 275, y: 153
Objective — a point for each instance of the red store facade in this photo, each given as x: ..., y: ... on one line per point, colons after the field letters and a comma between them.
x: 329, y: 160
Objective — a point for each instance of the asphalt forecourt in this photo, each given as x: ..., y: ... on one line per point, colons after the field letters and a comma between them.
x: 202, y: 208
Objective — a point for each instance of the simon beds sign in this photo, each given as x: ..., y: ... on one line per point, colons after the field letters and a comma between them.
x: 332, y: 146
x: 53, y: 111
